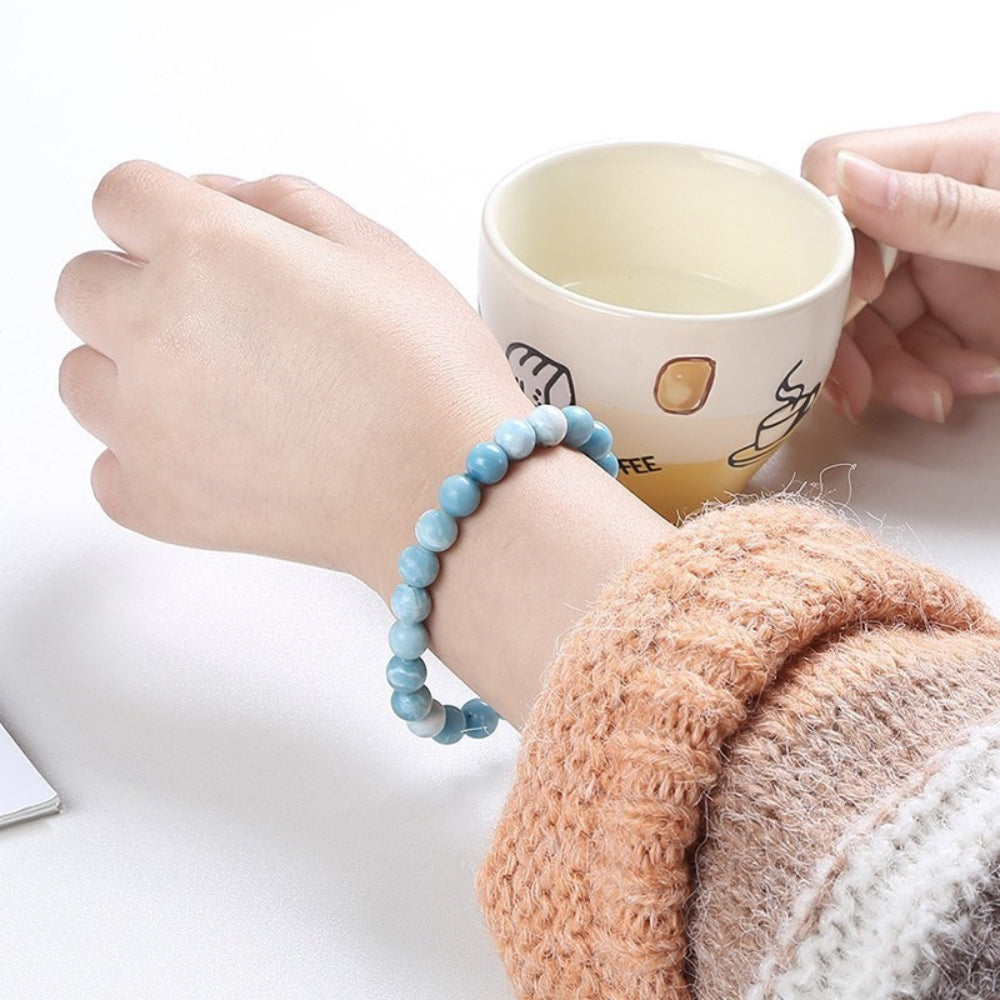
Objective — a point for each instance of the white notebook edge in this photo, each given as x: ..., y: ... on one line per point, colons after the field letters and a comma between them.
x: 24, y: 793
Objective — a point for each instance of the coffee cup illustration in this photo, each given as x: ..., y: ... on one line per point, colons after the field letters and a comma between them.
x: 779, y: 423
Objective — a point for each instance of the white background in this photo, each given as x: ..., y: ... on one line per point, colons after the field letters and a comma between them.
x: 243, y: 817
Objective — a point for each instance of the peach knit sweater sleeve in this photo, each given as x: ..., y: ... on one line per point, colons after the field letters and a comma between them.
x: 755, y: 758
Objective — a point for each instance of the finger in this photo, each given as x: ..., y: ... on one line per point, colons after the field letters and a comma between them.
x: 849, y: 385
x: 218, y: 182
x: 94, y: 296
x: 88, y: 385
x: 106, y: 481
x: 301, y: 203
x: 901, y: 303
x: 144, y: 207
x: 955, y: 147
x: 869, y: 278
x: 899, y: 379
x: 971, y: 373
x: 930, y: 214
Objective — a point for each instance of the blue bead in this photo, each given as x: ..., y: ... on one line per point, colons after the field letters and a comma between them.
x: 480, y: 719
x: 406, y: 675
x: 411, y: 706
x: 454, y: 725
x: 410, y: 604
x: 609, y: 463
x: 418, y: 566
x: 550, y: 424
x: 516, y: 437
x: 579, y: 425
x: 599, y: 443
x: 459, y: 496
x: 487, y: 463
x: 408, y: 641
x: 436, y: 530
x: 431, y: 724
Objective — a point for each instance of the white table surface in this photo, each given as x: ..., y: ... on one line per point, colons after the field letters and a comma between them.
x: 242, y: 816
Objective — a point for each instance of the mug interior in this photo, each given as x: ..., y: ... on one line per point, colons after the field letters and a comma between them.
x: 666, y: 228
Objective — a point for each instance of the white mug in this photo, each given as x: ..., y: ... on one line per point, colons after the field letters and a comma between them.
x: 692, y: 299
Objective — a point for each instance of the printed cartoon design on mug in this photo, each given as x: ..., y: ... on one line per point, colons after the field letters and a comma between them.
x: 541, y: 379
x: 683, y: 384
x: 779, y: 423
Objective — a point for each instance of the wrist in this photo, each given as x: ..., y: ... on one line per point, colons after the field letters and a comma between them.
x: 540, y: 547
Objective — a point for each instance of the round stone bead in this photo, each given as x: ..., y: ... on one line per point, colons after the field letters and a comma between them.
x: 460, y: 496
x: 436, y: 530
x: 609, y: 463
x: 408, y: 642
x: 579, y: 425
x: 412, y: 706
x: 599, y: 443
x: 481, y: 719
x: 431, y: 724
x: 410, y: 604
x: 550, y: 424
x: 487, y: 463
x: 406, y: 676
x: 454, y: 725
x: 418, y: 566
x: 516, y: 437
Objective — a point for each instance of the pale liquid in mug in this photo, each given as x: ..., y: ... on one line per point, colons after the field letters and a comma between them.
x: 664, y: 289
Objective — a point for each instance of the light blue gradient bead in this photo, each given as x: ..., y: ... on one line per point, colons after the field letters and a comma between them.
x: 411, y: 706
x: 579, y: 425
x: 516, y: 436
x: 609, y: 463
x: 436, y: 530
x: 454, y: 725
x: 481, y: 720
x: 599, y: 443
x: 487, y: 463
x: 460, y: 496
x: 406, y: 675
x: 550, y: 424
x: 410, y: 604
x: 419, y: 567
x: 431, y: 724
x: 408, y: 642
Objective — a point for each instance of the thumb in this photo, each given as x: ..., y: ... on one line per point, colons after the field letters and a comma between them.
x: 929, y: 214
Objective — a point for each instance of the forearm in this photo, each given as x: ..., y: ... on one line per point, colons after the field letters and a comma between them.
x: 528, y: 563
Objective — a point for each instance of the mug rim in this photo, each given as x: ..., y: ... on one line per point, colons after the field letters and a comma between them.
x: 841, y: 266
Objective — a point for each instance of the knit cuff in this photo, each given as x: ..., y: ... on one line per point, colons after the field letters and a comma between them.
x: 906, y: 904
x: 585, y: 885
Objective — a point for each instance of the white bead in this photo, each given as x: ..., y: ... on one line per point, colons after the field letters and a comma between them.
x: 432, y: 723
x: 550, y: 424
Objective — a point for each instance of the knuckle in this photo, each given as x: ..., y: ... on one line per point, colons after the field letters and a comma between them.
x: 123, y: 181
x: 105, y: 483
x: 284, y: 185
x: 816, y: 155
x: 68, y: 288
x: 69, y: 379
x: 945, y: 202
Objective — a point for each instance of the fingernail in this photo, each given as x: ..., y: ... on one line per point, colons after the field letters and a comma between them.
x: 839, y: 401
x: 218, y: 182
x: 928, y: 404
x: 867, y: 181
x: 977, y: 381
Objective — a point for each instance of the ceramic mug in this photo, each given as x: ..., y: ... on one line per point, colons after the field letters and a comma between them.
x: 692, y: 299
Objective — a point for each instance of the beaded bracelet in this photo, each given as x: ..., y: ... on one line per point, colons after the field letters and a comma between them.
x: 437, y: 530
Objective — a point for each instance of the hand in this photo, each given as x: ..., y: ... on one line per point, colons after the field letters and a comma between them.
x: 271, y: 371
x: 274, y: 373
x: 931, y: 332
